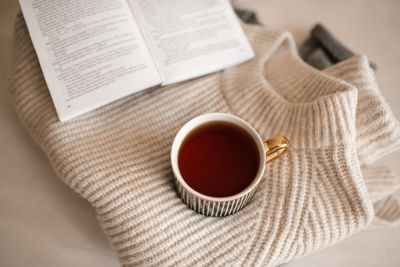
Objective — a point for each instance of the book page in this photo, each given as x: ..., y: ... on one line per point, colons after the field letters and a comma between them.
x: 91, y: 52
x: 189, y: 38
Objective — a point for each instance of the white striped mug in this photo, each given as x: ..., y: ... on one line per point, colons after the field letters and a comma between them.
x: 223, y: 206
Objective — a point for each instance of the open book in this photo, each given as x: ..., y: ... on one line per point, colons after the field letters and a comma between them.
x: 94, y: 52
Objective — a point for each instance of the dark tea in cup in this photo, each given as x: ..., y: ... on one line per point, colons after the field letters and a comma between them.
x: 219, y: 159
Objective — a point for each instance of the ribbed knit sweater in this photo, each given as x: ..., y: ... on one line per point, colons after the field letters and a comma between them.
x: 117, y: 157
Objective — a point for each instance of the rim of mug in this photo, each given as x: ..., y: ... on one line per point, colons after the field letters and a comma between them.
x: 209, y: 117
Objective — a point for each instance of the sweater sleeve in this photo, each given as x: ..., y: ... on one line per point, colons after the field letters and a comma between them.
x: 378, y: 134
x: 384, y: 189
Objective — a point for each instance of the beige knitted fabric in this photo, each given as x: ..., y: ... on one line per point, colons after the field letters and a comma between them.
x: 377, y: 134
x: 117, y: 157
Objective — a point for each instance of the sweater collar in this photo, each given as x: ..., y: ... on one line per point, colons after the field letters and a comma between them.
x: 279, y: 94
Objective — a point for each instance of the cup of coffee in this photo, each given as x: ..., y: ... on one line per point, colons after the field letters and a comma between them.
x: 218, y: 160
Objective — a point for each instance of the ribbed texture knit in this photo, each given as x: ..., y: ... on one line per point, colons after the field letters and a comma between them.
x: 117, y: 157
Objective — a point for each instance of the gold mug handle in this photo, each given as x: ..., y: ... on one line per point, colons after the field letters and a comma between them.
x: 275, y: 147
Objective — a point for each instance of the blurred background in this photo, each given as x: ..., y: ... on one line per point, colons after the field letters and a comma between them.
x: 31, y: 195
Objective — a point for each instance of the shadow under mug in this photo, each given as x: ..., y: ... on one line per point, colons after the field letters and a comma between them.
x: 223, y: 206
